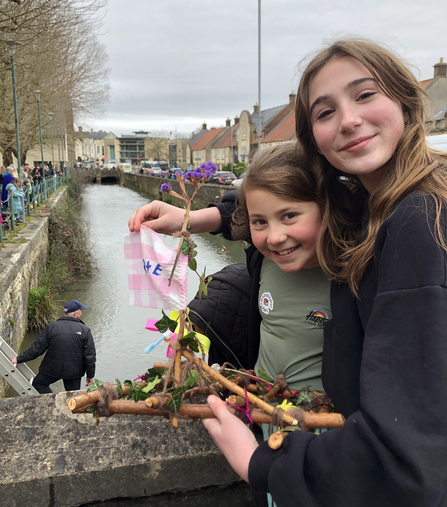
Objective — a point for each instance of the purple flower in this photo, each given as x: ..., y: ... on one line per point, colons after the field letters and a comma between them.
x: 166, y: 187
x: 197, y: 173
x: 188, y: 175
x: 207, y: 174
x: 179, y: 171
x: 211, y: 167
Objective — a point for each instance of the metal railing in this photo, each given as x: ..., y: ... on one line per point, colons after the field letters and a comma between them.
x: 35, y: 194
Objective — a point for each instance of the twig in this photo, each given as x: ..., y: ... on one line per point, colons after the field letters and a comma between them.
x: 87, y: 398
x: 236, y: 389
x: 204, y: 412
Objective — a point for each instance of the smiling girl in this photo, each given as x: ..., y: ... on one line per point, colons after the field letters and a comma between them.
x: 279, y: 211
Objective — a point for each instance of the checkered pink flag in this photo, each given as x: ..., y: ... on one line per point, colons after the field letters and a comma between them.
x: 149, y: 265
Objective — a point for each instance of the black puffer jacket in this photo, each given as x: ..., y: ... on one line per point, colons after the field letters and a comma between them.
x: 223, y: 315
x: 70, y: 349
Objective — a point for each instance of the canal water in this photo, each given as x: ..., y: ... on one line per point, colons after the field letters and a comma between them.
x: 118, y: 329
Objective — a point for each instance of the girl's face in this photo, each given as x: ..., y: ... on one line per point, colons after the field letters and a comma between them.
x: 355, y: 125
x: 284, y: 231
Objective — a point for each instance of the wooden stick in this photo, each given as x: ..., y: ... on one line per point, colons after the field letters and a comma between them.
x: 237, y: 400
x: 254, y: 388
x: 92, y: 397
x: 273, y: 391
x: 178, y: 356
x: 164, y: 365
x: 323, y: 420
x: 161, y: 365
x: 154, y: 402
x: 205, y: 412
x: 291, y: 421
x: 276, y: 439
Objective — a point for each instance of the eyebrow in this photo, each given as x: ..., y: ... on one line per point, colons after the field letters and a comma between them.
x: 350, y: 85
x: 279, y: 212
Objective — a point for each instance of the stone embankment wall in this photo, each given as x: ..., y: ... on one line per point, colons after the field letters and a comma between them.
x: 149, y: 186
x: 52, y: 457
x: 22, y: 261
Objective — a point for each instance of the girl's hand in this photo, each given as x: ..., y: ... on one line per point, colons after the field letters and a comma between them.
x: 167, y: 219
x: 158, y: 216
x: 232, y: 436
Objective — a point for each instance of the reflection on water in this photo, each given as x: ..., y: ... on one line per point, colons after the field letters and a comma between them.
x: 118, y: 328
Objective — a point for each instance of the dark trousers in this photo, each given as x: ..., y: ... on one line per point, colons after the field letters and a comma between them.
x: 42, y: 381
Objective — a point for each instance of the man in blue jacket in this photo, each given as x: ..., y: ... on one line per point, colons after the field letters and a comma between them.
x: 70, y: 351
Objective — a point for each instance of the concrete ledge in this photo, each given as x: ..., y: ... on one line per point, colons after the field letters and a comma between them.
x: 51, y: 457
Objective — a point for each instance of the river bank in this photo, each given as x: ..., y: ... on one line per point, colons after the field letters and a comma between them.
x: 118, y: 328
x: 22, y: 261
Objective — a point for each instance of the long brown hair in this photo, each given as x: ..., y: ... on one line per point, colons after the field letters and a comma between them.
x: 343, y: 250
x: 280, y: 170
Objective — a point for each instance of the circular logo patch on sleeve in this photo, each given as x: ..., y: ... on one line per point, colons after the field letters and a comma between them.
x: 266, y: 302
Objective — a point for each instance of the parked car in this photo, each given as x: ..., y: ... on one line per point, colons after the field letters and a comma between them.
x: 237, y: 183
x: 223, y: 178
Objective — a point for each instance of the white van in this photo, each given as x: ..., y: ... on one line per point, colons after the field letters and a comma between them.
x: 438, y: 142
x: 125, y: 167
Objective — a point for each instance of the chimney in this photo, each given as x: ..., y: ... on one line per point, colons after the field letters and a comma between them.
x: 204, y: 126
x: 440, y: 68
x: 255, y: 108
x: 236, y: 120
x: 227, y: 122
x: 79, y: 129
x: 292, y: 98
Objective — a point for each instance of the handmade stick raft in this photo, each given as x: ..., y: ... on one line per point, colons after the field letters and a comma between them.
x: 175, y: 401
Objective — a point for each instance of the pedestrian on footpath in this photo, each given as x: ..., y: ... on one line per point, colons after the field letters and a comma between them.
x: 70, y: 351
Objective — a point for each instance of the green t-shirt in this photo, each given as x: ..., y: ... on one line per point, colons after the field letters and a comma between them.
x: 294, y: 309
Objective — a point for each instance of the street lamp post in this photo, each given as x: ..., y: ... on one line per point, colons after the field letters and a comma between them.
x: 259, y: 75
x: 51, y: 130
x: 59, y: 149
x: 12, y: 49
x: 37, y: 93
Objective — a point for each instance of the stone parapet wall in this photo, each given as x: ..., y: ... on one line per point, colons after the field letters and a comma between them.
x: 51, y: 457
x: 149, y: 186
x: 22, y: 262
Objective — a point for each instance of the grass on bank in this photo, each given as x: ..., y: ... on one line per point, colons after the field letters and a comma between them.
x: 68, y: 257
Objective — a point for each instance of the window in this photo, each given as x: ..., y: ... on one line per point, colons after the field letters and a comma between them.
x: 243, y: 134
x: 237, y: 135
x: 243, y: 153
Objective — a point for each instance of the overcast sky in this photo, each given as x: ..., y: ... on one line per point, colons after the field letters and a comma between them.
x: 177, y: 63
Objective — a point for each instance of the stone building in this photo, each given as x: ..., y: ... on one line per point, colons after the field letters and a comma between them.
x: 200, y: 147
x: 226, y: 147
x: 436, y: 87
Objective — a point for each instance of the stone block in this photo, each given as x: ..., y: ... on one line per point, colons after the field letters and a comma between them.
x: 52, y: 457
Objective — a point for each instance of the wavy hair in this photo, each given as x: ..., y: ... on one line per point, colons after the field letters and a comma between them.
x: 344, y: 250
x: 280, y: 170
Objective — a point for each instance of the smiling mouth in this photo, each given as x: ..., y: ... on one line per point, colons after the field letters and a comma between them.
x: 285, y: 252
x: 356, y: 142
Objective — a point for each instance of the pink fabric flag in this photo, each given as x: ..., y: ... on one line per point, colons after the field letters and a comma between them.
x: 149, y: 265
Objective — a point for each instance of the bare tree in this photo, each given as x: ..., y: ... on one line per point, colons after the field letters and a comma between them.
x: 61, y: 56
x: 156, y: 148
